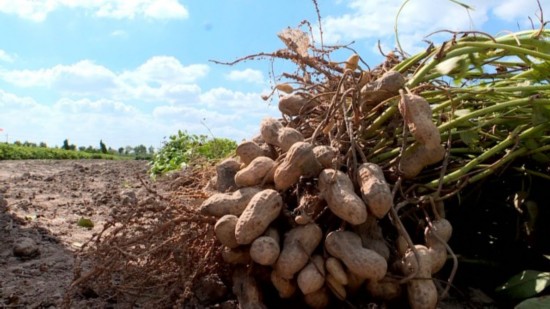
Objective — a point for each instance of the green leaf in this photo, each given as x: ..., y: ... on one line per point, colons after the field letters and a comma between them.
x: 470, y: 138
x: 526, y: 284
x: 84, y: 222
x: 542, y: 302
x: 541, y: 114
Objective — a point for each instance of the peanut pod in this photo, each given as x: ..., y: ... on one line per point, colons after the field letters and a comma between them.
x: 337, y: 189
x: 363, y: 262
x: 221, y: 204
x: 262, y: 209
x: 374, y: 189
x: 298, y: 245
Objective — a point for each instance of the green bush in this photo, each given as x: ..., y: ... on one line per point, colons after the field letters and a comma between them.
x: 184, y: 149
x: 19, y: 152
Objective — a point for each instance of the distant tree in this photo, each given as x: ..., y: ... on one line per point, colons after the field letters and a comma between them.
x: 43, y: 145
x: 90, y: 149
x: 65, y: 144
x: 29, y: 144
x: 82, y: 148
x: 151, y: 150
x: 128, y: 150
x: 140, y: 150
x: 121, y: 150
x: 17, y: 143
x: 102, y: 147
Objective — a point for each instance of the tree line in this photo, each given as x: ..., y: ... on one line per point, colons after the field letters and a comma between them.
x: 140, y: 151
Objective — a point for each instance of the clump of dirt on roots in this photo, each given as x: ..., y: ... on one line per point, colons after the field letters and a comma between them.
x: 159, y: 253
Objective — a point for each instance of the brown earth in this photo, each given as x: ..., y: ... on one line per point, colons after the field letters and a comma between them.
x: 39, y: 231
x: 42, y: 201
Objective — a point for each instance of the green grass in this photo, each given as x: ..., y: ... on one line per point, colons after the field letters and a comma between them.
x: 14, y: 152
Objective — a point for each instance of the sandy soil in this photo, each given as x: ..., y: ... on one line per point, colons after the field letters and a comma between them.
x: 39, y: 231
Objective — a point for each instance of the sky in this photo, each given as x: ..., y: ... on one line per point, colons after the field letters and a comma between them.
x: 132, y: 72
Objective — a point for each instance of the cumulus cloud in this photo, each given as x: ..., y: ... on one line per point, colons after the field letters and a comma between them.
x: 119, y: 9
x: 226, y: 112
x: 246, y: 75
x: 374, y: 20
x: 10, y: 101
x: 101, y: 106
x: 514, y: 10
x: 159, y: 78
x: 84, y: 121
x: 83, y: 77
x: 164, y: 69
x: 5, y: 57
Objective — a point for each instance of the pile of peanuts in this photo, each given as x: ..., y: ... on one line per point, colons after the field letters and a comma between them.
x: 284, y: 203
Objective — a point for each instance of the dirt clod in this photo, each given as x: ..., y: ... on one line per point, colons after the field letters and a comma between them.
x: 26, y: 248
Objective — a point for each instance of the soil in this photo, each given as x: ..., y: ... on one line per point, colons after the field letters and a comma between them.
x: 43, y: 201
x: 39, y: 230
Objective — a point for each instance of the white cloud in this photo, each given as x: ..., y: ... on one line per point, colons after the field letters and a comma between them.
x: 156, y: 9
x: 83, y: 77
x: 159, y: 78
x: 10, y: 101
x: 102, y: 106
x: 120, y: 122
x: 374, y: 19
x: 4, y: 56
x: 119, y: 33
x: 512, y: 10
x: 164, y: 69
x: 246, y: 75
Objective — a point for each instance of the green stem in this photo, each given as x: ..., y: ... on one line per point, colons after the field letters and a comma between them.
x: 512, y: 48
x: 490, y: 89
x: 540, y: 149
x: 380, y: 120
x: 490, y: 109
x: 510, y: 140
x: 406, y: 64
x: 493, y: 167
x: 531, y: 172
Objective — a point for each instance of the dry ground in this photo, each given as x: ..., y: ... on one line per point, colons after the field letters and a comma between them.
x: 39, y: 234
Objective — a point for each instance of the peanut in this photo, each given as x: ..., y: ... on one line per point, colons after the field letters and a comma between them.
x: 299, y: 161
x: 225, y: 230
x: 249, y: 150
x: 285, y: 287
x: 264, y: 250
x: 387, y: 289
x: 255, y: 172
x: 417, y: 157
x: 275, y: 134
x: 421, y: 291
x: 362, y: 262
x: 336, y: 269
x: 336, y: 287
x: 312, y: 277
x: 318, y: 299
x: 374, y: 189
x: 325, y: 155
x: 222, y: 204
x: 337, y: 189
x: 385, y: 87
x: 262, y: 209
x: 298, y: 245
x: 417, y: 114
x: 292, y: 104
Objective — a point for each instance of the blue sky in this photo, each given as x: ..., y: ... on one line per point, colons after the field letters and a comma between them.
x: 132, y: 72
